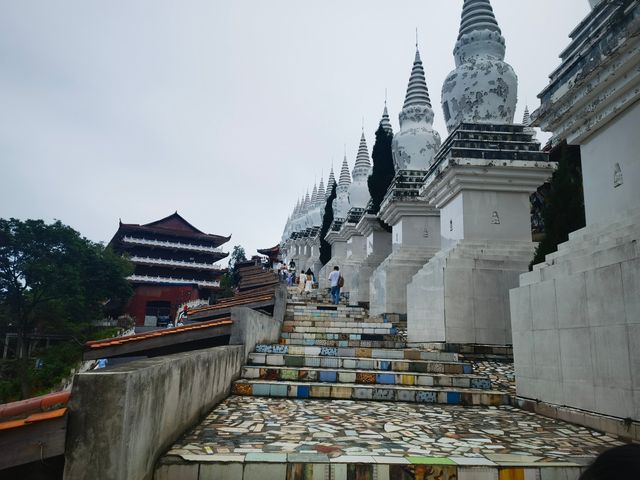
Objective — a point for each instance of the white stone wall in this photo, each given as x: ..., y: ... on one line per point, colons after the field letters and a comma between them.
x: 462, y: 294
x: 486, y: 215
x: 609, y: 190
x: 576, y: 323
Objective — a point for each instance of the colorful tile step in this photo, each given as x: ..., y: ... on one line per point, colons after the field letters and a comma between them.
x: 328, y: 375
x: 335, y: 323
x: 377, y: 337
x: 261, y: 466
x: 382, y: 329
x: 312, y: 342
x: 387, y: 393
x: 360, y: 363
x: 364, y: 352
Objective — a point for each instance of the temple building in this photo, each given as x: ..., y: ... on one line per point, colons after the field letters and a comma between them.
x: 175, y: 264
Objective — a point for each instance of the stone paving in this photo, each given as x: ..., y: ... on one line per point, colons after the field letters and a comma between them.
x: 255, y: 428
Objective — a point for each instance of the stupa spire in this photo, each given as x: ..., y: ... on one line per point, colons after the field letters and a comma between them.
x: 363, y: 165
x: 416, y: 143
x: 314, y: 196
x: 385, y: 121
x: 345, y: 176
x: 331, y: 182
x: 478, y: 15
x: 321, y: 193
x: 526, y: 121
x: 417, y: 91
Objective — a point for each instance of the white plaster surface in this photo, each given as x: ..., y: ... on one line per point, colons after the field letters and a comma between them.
x: 576, y: 324
x: 462, y: 294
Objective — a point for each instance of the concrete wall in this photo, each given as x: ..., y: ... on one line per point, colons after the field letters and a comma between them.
x: 121, y: 419
x: 250, y: 328
x: 616, y: 145
x: 576, y: 328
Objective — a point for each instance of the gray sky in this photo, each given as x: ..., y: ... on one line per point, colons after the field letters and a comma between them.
x: 223, y: 110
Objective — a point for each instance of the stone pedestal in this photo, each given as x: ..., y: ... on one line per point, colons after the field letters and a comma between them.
x: 313, y: 261
x: 462, y: 294
x: 415, y: 239
x: 377, y: 243
x: 355, y: 255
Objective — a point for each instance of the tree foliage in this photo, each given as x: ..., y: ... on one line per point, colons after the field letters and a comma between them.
x: 327, y: 220
x: 231, y: 279
x: 563, y: 211
x: 383, y: 168
x: 54, y: 280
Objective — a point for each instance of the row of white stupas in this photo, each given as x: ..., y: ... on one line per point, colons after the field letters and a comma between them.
x: 482, y: 89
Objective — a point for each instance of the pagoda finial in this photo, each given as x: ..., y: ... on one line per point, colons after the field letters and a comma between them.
x: 331, y: 182
x: 478, y: 15
x: 345, y: 176
x: 385, y: 121
x: 417, y: 91
x: 321, y: 193
x: 362, y: 166
x: 526, y: 121
x: 314, y: 195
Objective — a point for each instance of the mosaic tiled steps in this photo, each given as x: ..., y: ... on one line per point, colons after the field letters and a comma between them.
x: 386, y: 393
x: 364, y: 377
x: 380, y: 353
x: 367, y: 328
x: 360, y: 363
x: 344, y: 343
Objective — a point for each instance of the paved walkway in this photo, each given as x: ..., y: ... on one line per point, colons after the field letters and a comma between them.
x: 262, y: 429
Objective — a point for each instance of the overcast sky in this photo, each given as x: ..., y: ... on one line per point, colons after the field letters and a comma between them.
x: 226, y: 111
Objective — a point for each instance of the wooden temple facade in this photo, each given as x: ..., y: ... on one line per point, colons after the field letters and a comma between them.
x: 175, y: 264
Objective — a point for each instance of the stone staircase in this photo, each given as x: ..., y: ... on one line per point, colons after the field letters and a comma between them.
x: 339, y: 352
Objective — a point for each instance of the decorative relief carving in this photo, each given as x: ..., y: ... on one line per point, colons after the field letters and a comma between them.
x: 495, y: 218
x: 451, y: 225
x: 617, y: 176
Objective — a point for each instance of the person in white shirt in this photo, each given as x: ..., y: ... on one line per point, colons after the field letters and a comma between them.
x: 334, y: 279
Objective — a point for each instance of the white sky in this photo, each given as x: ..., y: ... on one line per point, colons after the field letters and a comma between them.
x: 226, y: 111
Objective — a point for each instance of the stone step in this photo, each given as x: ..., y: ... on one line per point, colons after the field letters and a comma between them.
x: 364, y: 352
x: 311, y: 342
x: 380, y: 329
x: 340, y: 323
x: 378, y: 337
x: 354, y: 391
x: 365, y: 377
x: 384, y: 364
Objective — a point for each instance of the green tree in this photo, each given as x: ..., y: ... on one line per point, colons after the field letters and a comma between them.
x: 383, y: 168
x: 563, y: 210
x: 231, y: 279
x: 327, y: 220
x: 54, y: 280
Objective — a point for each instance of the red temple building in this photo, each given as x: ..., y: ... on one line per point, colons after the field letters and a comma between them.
x: 175, y: 264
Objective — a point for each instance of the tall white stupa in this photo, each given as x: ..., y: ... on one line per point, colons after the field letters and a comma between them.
x: 413, y: 221
x: 483, y: 88
x: 416, y: 143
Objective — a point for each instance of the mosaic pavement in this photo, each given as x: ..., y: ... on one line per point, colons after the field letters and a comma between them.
x: 313, y: 431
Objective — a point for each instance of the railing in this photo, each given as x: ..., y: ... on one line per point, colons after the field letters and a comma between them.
x: 174, y: 263
x: 168, y: 244
x: 158, y: 279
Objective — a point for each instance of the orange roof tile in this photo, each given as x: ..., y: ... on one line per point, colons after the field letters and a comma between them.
x: 157, y: 333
